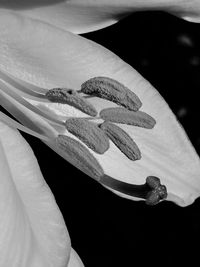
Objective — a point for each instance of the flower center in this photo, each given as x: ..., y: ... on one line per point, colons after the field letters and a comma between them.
x: 18, y: 100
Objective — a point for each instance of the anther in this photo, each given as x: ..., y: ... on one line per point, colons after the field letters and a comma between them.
x: 72, y: 98
x: 89, y: 133
x: 122, y: 140
x: 121, y: 115
x: 79, y: 156
x: 112, y: 90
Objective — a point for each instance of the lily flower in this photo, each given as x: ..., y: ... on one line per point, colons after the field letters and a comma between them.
x: 102, y: 116
x: 153, y: 160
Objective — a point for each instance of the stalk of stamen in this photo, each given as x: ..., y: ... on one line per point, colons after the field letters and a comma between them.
x: 78, y: 155
x: 30, y: 90
x: 89, y: 133
x: 14, y: 124
x: 26, y: 117
x: 121, y: 115
x: 72, y: 98
x: 7, y: 89
x: 122, y: 140
x: 145, y: 191
x: 112, y: 90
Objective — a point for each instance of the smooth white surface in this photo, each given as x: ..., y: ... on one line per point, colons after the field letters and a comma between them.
x: 32, y: 230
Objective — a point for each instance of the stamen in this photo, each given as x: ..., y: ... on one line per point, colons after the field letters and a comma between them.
x: 89, y: 133
x: 145, y: 191
x: 121, y: 115
x: 14, y: 124
x: 70, y: 97
x: 122, y: 140
x: 26, y: 117
x: 111, y: 90
x: 32, y: 90
x: 79, y: 156
x: 7, y: 89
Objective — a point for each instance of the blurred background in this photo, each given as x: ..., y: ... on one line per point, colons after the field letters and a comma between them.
x: 108, y: 231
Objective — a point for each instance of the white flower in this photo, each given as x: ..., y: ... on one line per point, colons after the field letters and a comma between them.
x: 37, y: 55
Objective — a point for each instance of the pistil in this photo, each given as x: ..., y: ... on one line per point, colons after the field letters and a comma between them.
x: 152, y: 191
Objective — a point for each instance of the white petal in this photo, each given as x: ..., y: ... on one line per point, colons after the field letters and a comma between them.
x: 51, y: 57
x: 81, y: 16
x: 74, y: 260
x: 33, y: 232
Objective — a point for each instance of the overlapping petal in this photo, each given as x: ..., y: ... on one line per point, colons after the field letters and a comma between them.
x: 51, y: 57
x: 33, y: 232
x: 81, y: 16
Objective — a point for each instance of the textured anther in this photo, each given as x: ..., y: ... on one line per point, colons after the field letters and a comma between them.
x: 122, y: 140
x: 78, y: 155
x: 124, y: 116
x: 112, y: 90
x: 72, y: 98
x: 89, y: 133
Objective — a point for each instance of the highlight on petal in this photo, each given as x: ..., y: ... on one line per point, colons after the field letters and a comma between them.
x: 33, y: 232
x: 80, y: 16
x: 52, y: 58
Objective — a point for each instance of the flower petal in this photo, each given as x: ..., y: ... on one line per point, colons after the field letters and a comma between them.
x: 29, y: 214
x: 54, y: 58
x: 81, y: 16
x: 74, y: 260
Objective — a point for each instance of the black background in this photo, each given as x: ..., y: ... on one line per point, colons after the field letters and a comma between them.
x: 106, y: 230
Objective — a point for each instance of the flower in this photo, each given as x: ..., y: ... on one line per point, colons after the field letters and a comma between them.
x: 36, y: 57
x: 39, y: 55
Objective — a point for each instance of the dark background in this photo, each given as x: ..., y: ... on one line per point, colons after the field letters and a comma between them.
x: 106, y: 230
